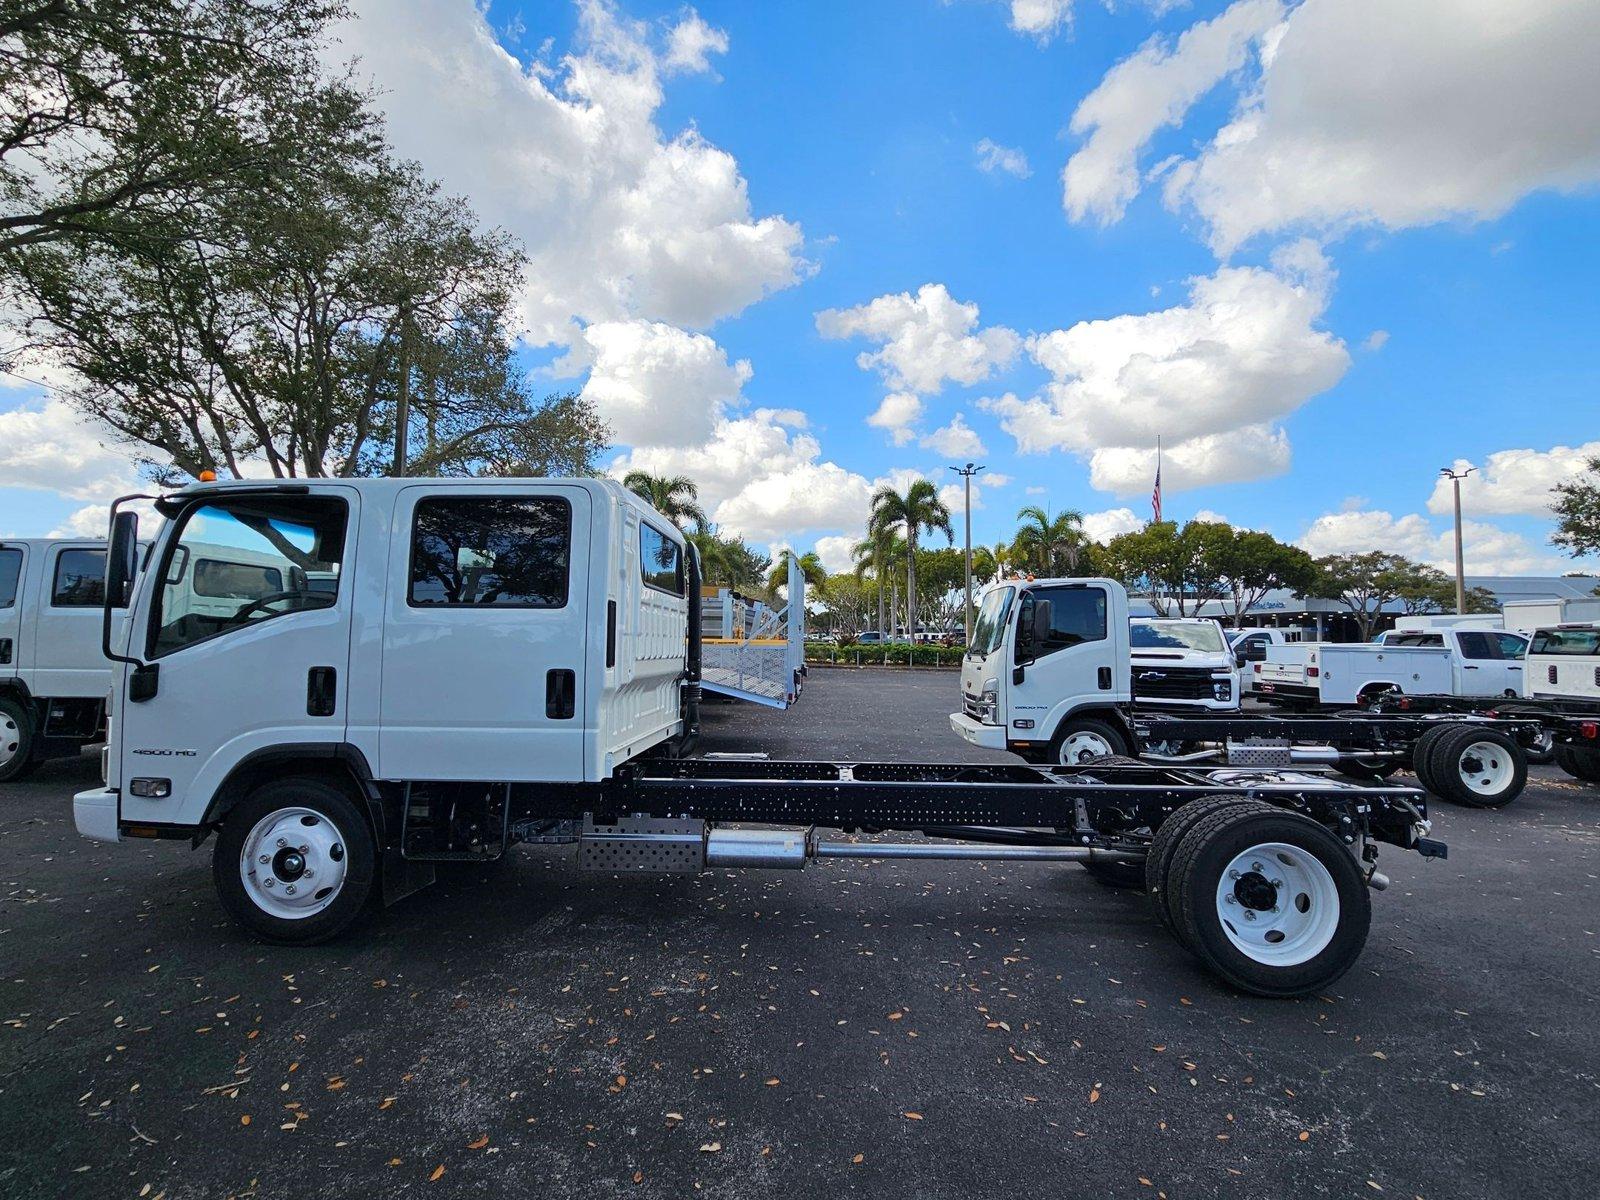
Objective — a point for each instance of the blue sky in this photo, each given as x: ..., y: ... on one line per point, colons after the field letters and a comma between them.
x: 1319, y: 250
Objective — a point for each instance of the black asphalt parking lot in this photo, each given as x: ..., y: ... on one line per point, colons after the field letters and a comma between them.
x: 923, y: 1029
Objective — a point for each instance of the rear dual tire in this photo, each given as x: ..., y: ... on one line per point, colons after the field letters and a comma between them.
x: 1477, y: 767
x: 1269, y: 900
x: 1579, y: 763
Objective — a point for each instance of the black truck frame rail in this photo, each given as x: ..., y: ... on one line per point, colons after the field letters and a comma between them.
x: 1573, y: 720
x: 1107, y: 805
x: 1358, y: 732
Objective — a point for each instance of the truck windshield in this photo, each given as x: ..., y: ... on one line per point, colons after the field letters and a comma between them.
x: 1580, y: 643
x: 1203, y: 636
x: 990, y: 626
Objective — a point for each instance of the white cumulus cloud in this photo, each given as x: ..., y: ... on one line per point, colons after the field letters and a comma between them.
x: 1040, y: 19
x: 897, y: 416
x: 994, y: 157
x: 1153, y: 88
x: 924, y: 340
x: 1368, y: 113
x: 1513, y: 481
x: 52, y: 448
x: 621, y: 220
x: 1211, y: 377
x: 1487, y: 549
x: 835, y: 553
x: 955, y: 440
x: 1103, y: 526
x: 656, y: 384
x: 762, y: 476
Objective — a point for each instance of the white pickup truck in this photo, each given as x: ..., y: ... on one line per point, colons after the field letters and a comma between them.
x: 1459, y: 662
x: 1250, y: 647
x: 1182, y: 662
x: 1563, y: 668
x: 53, y: 677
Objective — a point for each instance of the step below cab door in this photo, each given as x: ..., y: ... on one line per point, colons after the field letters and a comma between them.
x: 242, y: 654
x: 486, y: 634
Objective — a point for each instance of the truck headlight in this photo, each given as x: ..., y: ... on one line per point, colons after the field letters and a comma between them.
x: 989, y: 701
x: 1223, y: 689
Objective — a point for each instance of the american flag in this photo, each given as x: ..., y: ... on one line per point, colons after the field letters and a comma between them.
x: 1155, y: 493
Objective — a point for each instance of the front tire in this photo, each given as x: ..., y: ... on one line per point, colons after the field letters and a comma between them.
x: 1082, y: 740
x: 295, y: 862
x: 16, y: 740
x: 1271, y: 901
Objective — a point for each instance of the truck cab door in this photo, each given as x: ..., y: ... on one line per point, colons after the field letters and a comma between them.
x: 1081, y: 661
x: 66, y: 656
x: 236, y: 661
x: 13, y: 564
x: 486, y: 634
x: 1484, y: 671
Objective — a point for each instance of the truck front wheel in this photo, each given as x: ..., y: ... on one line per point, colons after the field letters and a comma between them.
x: 295, y: 861
x: 1271, y: 901
x: 16, y: 740
x: 1081, y: 740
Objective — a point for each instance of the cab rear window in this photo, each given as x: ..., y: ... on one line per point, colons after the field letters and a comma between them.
x: 10, y: 572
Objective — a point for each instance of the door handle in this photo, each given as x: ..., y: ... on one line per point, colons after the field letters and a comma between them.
x: 1468, y: 667
x: 321, y: 691
x: 560, y: 694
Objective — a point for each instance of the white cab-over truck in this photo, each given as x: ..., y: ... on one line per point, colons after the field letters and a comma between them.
x: 1462, y: 662
x: 1182, y: 662
x: 53, y: 677
x: 518, y: 661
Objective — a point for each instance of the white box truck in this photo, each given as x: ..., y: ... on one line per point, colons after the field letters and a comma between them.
x: 518, y: 660
x: 1528, y: 615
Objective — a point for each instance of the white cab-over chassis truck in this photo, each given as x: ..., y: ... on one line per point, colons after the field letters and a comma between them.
x: 1062, y: 695
x: 454, y: 666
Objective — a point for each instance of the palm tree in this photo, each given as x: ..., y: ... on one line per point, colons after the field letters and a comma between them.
x: 811, y: 569
x: 675, y: 497
x: 1045, y: 540
x: 877, y: 554
x: 918, y: 509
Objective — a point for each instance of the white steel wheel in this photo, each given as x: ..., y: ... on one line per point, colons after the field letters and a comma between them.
x: 1485, y: 768
x: 1278, y: 905
x: 11, y: 739
x: 293, y: 863
x: 1082, y: 745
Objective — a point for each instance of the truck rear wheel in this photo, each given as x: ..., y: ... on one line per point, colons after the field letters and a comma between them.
x: 1082, y: 740
x: 1158, y: 863
x: 1271, y: 901
x: 295, y: 861
x: 1422, y: 755
x: 1579, y: 763
x: 16, y: 740
x: 1478, y: 767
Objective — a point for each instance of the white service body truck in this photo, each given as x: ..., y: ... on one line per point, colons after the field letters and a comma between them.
x: 53, y: 677
x: 1182, y: 662
x: 1563, y: 671
x: 1249, y: 647
x: 1461, y: 662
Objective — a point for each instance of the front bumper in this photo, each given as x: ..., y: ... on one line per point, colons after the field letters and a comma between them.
x: 95, y: 814
x: 990, y: 737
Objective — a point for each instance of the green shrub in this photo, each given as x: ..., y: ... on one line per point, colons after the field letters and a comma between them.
x: 893, y: 654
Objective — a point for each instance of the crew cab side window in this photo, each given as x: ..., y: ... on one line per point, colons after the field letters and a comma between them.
x: 80, y: 579
x: 661, y: 560
x: 236, y: 562
x: 10, y: 573
x: 1511, y: 646
x: 510, y: 551
x: 1077, y: 615
x: 1479, y: 646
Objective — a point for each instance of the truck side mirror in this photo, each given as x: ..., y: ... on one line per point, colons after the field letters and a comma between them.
x: 122, y: 559
x: 1239, y: 659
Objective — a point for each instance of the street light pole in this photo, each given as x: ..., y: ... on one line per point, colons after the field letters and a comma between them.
x: 1455, y: 479
x: 966, y: 473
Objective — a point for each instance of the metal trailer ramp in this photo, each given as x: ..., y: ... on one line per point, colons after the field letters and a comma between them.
x: 752, y: 652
